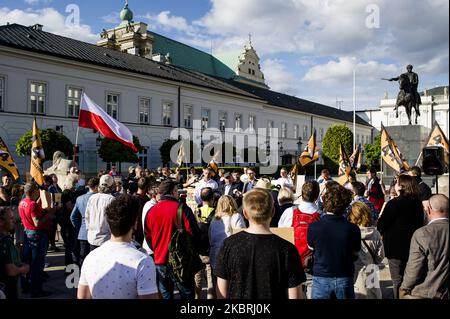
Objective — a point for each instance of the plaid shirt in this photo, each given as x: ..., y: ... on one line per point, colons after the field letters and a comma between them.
x: 364, y: 200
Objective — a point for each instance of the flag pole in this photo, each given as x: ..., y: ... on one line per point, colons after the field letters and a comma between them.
x: 75, y: 147
x: 418, y: 159
x: 354, y: 108
x: 315, y: 170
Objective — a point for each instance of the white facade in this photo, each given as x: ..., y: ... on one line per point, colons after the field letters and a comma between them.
x: 19, y: 69
x: 434, y: 107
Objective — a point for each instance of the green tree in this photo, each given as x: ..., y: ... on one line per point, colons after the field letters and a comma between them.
x: 52, y: 141
x: 164, y: 150
x: 114, y: 151
x: 373, y: 152
x: 335, y: 135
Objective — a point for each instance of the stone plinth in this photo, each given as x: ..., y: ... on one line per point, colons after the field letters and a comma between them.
x: 410, y: 140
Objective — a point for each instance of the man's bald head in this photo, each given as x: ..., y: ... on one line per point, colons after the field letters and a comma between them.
x: 439, y: 204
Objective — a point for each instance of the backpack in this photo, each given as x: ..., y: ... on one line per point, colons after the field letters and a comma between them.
x: 183, y: 257
x: 203, y: 225
x: 300, y: 223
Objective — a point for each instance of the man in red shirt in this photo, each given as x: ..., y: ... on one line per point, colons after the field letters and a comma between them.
x: 160, y: 225
x: 35, y: 221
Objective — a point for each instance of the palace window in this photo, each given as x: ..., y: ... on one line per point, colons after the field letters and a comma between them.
x: 269, y: 128
x: 305, y: 132
x: 251, y: 123
x: 112, y: 105
x: 321, y: 133
x: 187, y: 116
x: 237, y: 122
x: 73, y: 101
x: 2, y: 93
x: 205, y: 118
x: 143, y: 157
x: 222, y: 120
x: 296, y: 131
x: 144, y: 110
x: 167, y: 113
x: 283, y: 129
x: 38, y: 97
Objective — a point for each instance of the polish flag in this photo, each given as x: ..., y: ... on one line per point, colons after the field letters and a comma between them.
x: 93, y: 116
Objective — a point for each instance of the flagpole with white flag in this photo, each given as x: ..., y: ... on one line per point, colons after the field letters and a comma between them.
x: 354, y: 108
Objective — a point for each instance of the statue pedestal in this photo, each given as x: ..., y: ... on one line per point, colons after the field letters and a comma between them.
x: 410, y: 140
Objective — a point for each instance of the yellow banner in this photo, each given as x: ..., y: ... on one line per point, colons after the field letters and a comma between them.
x: 311, y: 152
x: 356, y: 158
x: 6, y: 160
x: 438, y: 138
x: 37, y: 156
x: 344, y: 166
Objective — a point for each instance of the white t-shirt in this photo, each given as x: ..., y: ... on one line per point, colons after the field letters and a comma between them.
x: 288, y: 215
x: 97, y: 227
x: 117, y: 270
x: 285, y: 182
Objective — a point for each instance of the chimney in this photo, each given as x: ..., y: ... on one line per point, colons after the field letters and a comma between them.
x: 133, y: 51
x: 37, y: 27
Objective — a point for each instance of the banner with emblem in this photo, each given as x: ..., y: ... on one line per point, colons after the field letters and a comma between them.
x: 37, y: 156
x: 390, y: 152
x: 6, y: 160
x: 356, y: 160
x: 345, y: 166
x: 438, y: 138
x: 311, y: 152
x: 181, y: 155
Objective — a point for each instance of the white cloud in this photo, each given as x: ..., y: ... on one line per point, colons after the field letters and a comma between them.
x: 169, y: 22
x: 53, y: 21
x: 34, y: 2
x: 335, y: 72
x: 111, y: 18
x: 278, y: 78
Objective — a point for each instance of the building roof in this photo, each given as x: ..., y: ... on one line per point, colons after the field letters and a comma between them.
x: 298, y: 104
x: 191, y: 58
x: 189, y: 66
x: 438, y: 90
x: 27, y: 38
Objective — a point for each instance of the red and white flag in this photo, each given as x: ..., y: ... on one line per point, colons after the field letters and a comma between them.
x: 93, y: 116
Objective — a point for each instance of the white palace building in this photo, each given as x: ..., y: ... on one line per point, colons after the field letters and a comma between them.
x: 150, y: 83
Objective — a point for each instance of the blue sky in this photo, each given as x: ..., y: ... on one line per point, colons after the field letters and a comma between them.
x: 308, y: 48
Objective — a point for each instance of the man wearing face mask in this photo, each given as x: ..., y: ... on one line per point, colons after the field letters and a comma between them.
x: 426, y: 274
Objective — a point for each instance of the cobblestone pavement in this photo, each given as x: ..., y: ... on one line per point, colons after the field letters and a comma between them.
x: 56, y: 283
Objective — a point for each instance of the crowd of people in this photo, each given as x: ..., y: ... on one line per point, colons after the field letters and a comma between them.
x: 141, y: 236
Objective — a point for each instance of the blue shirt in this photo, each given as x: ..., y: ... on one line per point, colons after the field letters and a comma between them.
x: 336, y: 244
x: 78, y: 213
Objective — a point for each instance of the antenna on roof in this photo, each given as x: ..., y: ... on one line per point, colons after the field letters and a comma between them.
x: 250, y: 39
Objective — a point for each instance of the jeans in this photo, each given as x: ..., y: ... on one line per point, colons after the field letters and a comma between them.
x: 35, y: 249
x: 85, y: 249
x: 397, y: 270
x: 166, y: 283
x: 209, y: 280
x: 332, y: 288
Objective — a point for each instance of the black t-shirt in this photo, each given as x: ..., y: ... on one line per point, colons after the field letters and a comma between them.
x: 259, y: 266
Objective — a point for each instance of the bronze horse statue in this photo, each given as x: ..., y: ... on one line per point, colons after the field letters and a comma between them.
x: 407, y: 98
x: 408, y: 95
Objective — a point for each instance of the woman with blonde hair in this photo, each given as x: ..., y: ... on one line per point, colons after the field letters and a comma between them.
x: 370, y: 255
x: 225, y: 219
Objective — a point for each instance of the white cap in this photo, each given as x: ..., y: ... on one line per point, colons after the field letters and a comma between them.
x: 106, y: 180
